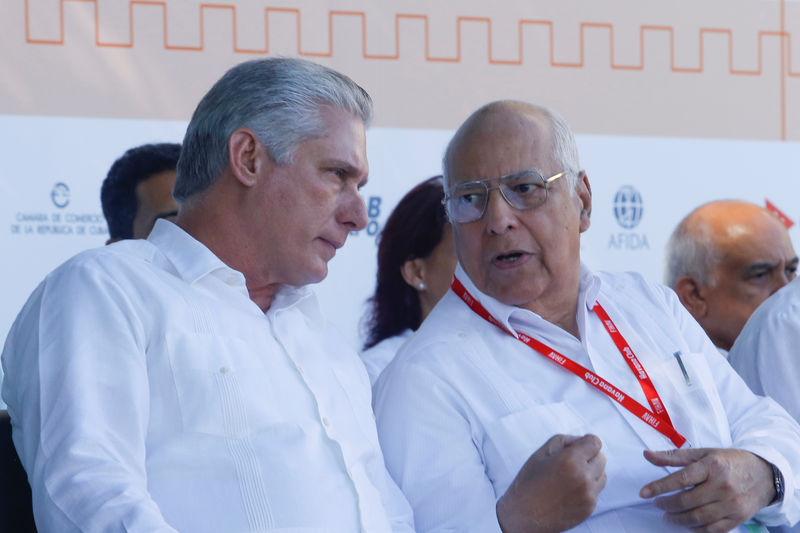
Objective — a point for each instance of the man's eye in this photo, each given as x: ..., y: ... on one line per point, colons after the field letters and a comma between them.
x: 471, y: 198
x: 761, y: 274
x: 523, y: 188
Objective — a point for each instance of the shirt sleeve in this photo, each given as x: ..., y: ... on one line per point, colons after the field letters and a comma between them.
x: 77, y: 391
x: 431, y: 452
x: 757, y: 424
x: 766, y: 355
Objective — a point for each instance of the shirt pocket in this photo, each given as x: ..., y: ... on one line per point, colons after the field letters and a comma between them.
x: 512, y: 439
x: 692, y: 400
x: 221, y: 388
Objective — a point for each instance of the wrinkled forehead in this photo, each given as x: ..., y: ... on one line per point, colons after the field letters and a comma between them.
x: 498, y: 144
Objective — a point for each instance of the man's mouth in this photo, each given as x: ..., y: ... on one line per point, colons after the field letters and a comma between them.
x: 508, y: 258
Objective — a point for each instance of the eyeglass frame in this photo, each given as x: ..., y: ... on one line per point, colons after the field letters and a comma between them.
x: 545, y: 183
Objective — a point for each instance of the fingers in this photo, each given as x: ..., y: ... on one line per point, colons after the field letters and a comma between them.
x: 710, y: 517
x: 687, y: 500
x: 597, y: 468
x: 675, y: 457
x: 692, y: 475
x: 587, y: 446
x: 558, y: 442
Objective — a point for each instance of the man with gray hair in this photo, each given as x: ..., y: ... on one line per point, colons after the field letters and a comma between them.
x: 188, y: 382
x: 724, y: 259
x: 537, y: 376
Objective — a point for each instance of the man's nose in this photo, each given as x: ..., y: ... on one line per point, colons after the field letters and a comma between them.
x: 354, y: 212
x: 500, y: 216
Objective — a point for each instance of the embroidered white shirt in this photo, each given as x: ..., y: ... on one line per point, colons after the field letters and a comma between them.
x: 464, y: 404
x: 376, y: 358
x: 148, y: 393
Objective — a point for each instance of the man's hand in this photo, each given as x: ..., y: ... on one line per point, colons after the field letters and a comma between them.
x: 719, y: 488
x: 557, y: 487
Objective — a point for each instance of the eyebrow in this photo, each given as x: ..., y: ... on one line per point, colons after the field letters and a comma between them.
x: 504, y: 176
x: 349, y: 168
x: 762, y: 266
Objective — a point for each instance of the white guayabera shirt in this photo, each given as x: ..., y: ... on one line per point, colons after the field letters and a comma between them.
x: 464, y: 404
x: 767, y: 353
x: 149, y: 393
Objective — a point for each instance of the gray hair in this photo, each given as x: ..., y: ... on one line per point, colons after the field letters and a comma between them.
x: 564, y: 149
x: 691, y: 251
x: 280, y: 99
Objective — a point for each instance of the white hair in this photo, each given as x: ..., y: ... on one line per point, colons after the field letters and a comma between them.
x: 279, y: 98
x: 564, y: 149
x: 691, y: 251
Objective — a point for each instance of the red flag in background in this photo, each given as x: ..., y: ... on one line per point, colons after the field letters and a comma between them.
x: 778, y: 213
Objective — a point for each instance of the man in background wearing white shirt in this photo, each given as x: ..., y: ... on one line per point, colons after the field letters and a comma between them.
x: 724, y: 259
x: 531, y: 343
x: 188, y: 382
x: 766, y: 354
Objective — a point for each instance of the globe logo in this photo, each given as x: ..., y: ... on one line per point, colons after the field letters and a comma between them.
x: 628, y: 207
x: 60, y: 195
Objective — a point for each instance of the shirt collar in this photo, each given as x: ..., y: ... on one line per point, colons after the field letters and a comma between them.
x: 588, y: 291
x: 302, y: 297
x: 191, y: 259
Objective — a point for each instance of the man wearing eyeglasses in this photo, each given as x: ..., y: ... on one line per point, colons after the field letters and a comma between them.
x: 537, y: 377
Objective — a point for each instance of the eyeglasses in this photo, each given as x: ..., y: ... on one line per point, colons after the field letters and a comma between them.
x: 467, y: 202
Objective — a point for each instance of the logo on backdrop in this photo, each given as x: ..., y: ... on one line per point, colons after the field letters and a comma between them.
x: 47, y: 221
x: 60, y: 195
x: 373, y: 212
x: 628, y: 207
x: 628, y: 211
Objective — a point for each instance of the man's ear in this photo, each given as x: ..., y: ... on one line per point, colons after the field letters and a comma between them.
x: 690, y: 293
x: 413, y: 273
x: 584, y: 191
x: 246, y: 156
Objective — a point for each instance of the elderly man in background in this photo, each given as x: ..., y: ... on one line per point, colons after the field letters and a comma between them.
x: 533, y: 361
x: 723, y: 260
x: 188, y: 382
x: 138, y: 190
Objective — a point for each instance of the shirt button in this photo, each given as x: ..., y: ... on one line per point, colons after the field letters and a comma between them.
x: 462, y: 335
x: 223, y: 370
x: 325, y: 422
x: 231, y: 280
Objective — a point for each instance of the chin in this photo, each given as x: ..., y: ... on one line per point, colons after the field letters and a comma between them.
x: 310, y: 276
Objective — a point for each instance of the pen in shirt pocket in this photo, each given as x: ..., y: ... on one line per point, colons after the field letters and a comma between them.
x: 683, y: 368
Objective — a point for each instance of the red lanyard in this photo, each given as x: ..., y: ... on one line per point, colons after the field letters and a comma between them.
x: 657, y: 418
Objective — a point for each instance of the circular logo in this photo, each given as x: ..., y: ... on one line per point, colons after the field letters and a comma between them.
x: 60, y: 195
x: 628, y: 207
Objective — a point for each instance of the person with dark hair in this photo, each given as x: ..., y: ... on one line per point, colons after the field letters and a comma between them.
x: 189, y: 381
x: 416, y: 260
x: 138, y: 190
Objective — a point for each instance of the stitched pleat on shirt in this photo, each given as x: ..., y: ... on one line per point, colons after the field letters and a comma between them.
x: 248, y: 469
x: 202, y: 319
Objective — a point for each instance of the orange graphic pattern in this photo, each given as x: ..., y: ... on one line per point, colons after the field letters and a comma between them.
x: 781, y: 34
